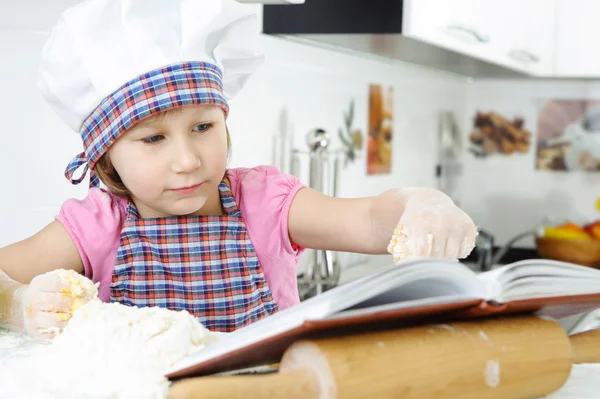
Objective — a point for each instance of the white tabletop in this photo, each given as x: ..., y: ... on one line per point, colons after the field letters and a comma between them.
x: 584, y: 381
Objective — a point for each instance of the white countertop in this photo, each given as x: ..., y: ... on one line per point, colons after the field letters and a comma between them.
x: 583, y: 383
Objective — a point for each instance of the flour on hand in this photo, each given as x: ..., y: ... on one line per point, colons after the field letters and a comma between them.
x: 399, y: 246
x: 78, y: 288
x: 107, y: 351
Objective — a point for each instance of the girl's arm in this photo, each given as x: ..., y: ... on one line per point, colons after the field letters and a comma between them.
x: 11, y: 303
x: 421, y: 222
x: 50, y: 249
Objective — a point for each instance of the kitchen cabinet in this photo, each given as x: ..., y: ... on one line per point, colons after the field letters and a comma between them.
x: 514, y: 34
x: 524, y: 34
x: 577, y: 32
x: 478, y: 38
x: 457, y: 25
x: 540, y: 35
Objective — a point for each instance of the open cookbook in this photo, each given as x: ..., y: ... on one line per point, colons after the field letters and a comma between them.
x: 409, y: 292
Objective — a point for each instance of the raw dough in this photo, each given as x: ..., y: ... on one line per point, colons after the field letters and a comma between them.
x: 106, y: 351
x: 398, y: 245
x: 81, y: 289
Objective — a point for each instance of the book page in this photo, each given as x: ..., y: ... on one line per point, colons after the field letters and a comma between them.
x: 426, y: 283
x: 411, y: 304
x: 539, y: 278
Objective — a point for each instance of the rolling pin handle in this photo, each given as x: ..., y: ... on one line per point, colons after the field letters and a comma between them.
x: 297, y: 384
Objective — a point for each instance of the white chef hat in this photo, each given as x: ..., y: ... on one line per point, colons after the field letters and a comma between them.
x: 110, y: 63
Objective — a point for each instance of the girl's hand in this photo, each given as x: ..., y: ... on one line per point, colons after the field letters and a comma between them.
x: 50, y: 300
x: 46, y: 306
x: 432, y: 226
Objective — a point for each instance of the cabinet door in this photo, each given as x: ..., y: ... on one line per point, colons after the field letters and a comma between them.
x: 512, y: 33
x: 577, y: 33
x: 523, y: 33
x: 455, y: 25
x: 541, y: 36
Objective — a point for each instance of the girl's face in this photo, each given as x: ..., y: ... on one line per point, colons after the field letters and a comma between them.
x: 172, y: 163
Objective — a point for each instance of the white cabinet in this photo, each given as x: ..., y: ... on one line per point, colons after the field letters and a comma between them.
x: 577, y: 35
x: 541, y: 36
x: 457, y: 25
x: 512, y: 33
x: 523, y: 33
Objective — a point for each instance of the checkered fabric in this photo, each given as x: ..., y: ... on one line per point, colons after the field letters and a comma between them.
x: 203, y: 264
x: 173, y: 86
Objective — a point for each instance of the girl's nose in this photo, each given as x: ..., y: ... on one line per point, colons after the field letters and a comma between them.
x: 185, y: 159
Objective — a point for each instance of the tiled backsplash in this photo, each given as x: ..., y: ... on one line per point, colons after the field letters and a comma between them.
x: 506, y: 194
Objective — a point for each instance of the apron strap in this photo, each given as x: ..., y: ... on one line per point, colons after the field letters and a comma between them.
x: 229, y: 205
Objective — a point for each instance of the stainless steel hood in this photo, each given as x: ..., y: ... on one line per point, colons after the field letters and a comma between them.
x: 370, y: 27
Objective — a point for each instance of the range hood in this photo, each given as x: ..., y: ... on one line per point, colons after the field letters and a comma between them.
x: 372, y: 27
x: 270, y: 1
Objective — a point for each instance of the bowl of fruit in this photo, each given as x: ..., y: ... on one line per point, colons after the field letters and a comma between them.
x: 570, y: 242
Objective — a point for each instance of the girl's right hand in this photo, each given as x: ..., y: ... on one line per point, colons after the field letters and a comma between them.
x: 33, y: 275
x: 47, y: 306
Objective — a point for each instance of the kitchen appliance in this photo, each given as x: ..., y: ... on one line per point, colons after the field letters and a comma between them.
x: 323, y: 268
x: 383, y: 28
x: 449, y: 166
x: 321, y: 166
x: 279, y: 2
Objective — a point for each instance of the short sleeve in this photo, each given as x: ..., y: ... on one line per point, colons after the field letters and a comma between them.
x: 265, y: 196
x: 94, y: 223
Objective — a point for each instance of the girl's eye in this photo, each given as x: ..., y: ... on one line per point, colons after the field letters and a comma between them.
x: 153, y: 139
x: 203, y: 127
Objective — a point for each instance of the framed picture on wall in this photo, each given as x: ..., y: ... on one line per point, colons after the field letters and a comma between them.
x: 380, y: 130
x: 498, y: 133
x: 569, y: 135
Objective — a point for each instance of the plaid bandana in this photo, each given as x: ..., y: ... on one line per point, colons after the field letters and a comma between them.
x: 173, y: 86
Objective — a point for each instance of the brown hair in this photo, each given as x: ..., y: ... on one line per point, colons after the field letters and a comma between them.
x: 110, y: 177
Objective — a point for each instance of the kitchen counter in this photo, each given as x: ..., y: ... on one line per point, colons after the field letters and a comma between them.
x: 584, y: 381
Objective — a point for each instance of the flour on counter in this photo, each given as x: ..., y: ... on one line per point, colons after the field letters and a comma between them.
x: 14, y: 345
x: 583, y: 382
x: 491, y: 374
x: 105, y: 351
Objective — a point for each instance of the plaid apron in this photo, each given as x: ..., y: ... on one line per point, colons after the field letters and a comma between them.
x: 203, y: 264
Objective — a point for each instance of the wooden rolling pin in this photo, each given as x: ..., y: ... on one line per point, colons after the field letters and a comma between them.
x: 508, y: 358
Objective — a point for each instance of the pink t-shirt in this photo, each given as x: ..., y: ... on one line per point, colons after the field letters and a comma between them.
x: 264, y: 196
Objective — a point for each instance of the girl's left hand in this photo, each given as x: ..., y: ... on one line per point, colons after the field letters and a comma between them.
x: 432, y: 226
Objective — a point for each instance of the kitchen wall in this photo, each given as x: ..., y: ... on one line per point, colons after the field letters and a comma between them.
x: 506, y: 194
x: 312, y: 87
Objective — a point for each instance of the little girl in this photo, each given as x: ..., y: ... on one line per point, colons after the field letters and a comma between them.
x: 146, y: 83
